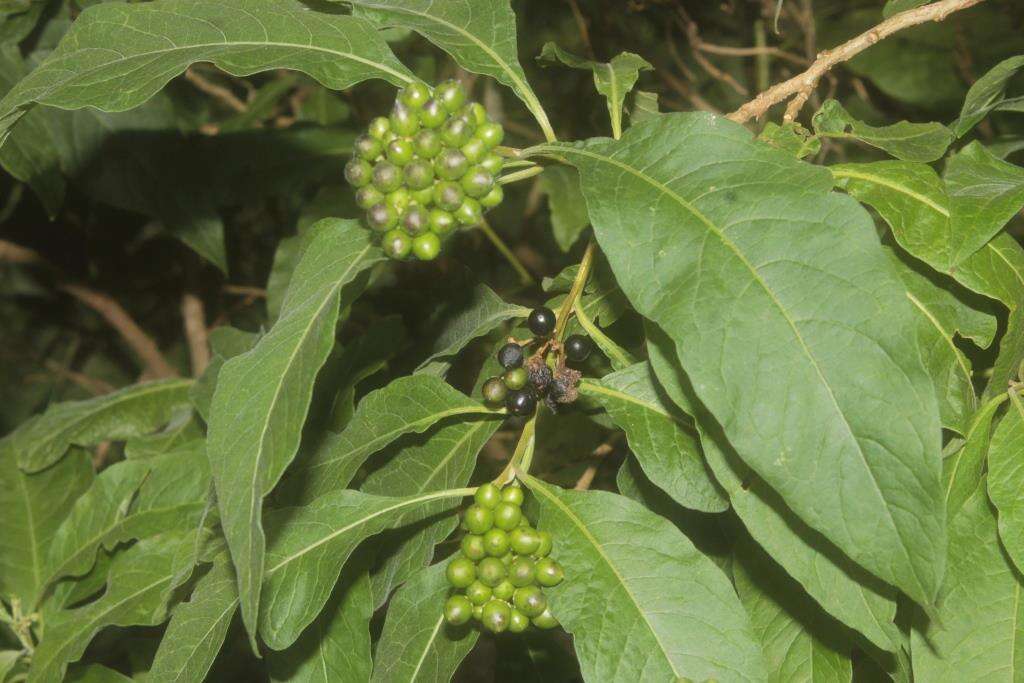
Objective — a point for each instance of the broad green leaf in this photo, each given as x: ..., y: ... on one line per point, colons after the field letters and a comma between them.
x: 903, y: 140
x: 197, y: 628
x: 480, y: 36
x: 985, y: 192
x: 116, y: 55
x: 987, y: 94
x: 262, y: 397
x: 842, y: 588
x: 651, y: 607
x: 180, y: 431
x: 138, y: 591
x: 791, y: 137
x: 8, y: 660
x: 408, y: 405
x: 225, y: 343
x: 614, y: 79
x: 442, y: 458
x: 34, y: 506
x: 800, y: 641
x: 659, y: 435
x: 132, y: 411
x: 977, y: 635
x: 962, y: 471
x: 645, y: 106
x: 759, y: 274
x: 568, y: 209
x: 417, y: 644
x: 308, y: 546
x: 1006, y: 478
x: 95, y: 673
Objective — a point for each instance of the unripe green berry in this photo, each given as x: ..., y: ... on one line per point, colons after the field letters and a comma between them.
x: 415, y: 95
x: 398, y: 200
x: 400, y: 151
x: 381, y: 217
x: 495, y: 616
x: 473, y: 547
x: 504, y: 590
x: 493, y: 164
x: 477, y: 182
x: 433, y: 114
x: 396, y: 244
x: 358, y: 172
x: 416, y: 221
x: 474, y: 150
x: 487, y: 495
x: 492, y: 198
x: 442, y: 222
x: 476, y: 112
x: 424, y: 197
x: 448, y: 195
x: 386, y: 176
x: 494, y: 391
x: 427, y: 246
x: 451, y: 94
x: 522, y: 572
x: 545, y: 620
x: 478, y: 612
x: 518, y: 622
x: 451, y: 164
x: 461, y: 572
x: 404, y: 120
x: 379, y: 127
x: 530, y: 601
x: 457, y: 131
x: 496, y: 542
x: 524, y: 540
x: 549, y: 572
x: 368, y: 196
x: 458, y: 610
x: 516, y: 378
x: 368, y: 147
x: 507, y: 559
x: 478, y: 520
x: 490, y: 571
x: 469, y: 212
x: 428, y: 144
x: 478, y: 593
x: 545, y: 544
x: 490, y: 134
x: 507, y: 516
x: 419, y: 174
x: 512, y: 494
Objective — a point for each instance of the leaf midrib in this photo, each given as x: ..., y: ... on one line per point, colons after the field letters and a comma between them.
x: 946, y: 336
x: 591, y: 386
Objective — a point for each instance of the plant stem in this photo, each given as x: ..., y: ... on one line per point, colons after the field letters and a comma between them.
x: 522, y: 456
x: 615, y: 352
x: 495, y: 238
x: 520, y: 175
x: 575, y: 291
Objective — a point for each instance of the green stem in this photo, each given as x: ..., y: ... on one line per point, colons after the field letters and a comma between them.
x: 495, y: 238
x: 615, y: 352
x: 533, y: 104
x: 575, y: 291
x: 522, y: 456
x: 520, y: 175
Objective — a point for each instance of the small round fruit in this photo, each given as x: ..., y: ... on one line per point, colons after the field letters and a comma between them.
x: 522, y: 572
x: 493, y: 198
x: 545, y: 620
x: 507, y: 558
x: 396, y: 244
x: 386, y: 176
x: 379, y: 127
x: 368, y: 147
x: 427, y: 246
x: 491, y: 134
x: 368, y: 196
x: 400, y: 151
x: 475, y: 150
x: 419, y: 174
x: 487, y: 496
x: 516, y: 378
x: 494, y: 391
x: 507, y: 516
x: 496, y: 616
x: 477, y: 182
x: 473, y: 547
x: 541, y: 321
x: 358, y: 172
x: 415, y: 95
x: 475, y: 112
x: 545, y: 544
x: 451, y: 94
x: 510, y: 356
x: 478, y: 593
x: 448, y: 195
x: 478, y: 612
x: 549, y: 572
x: 441, y: 221
x: 512, y: 494
x: 577, y: 348
x: 518, y: 622
x: 458, y: 610
x: 504, y: 590
x: 451, y: 164
x: 521, y: 402
x: 461, y: 572
x: 469, y: 212
x: 433, y: 113
x: 490, y: 572
x: 496, y: 543
x: 457, y: 131
x: 493, y: 163
x: 398, y: 200
x: 478, y: 520
x: 404, y: 120
x: 428, y: 144
x: 416, y: 221
x: 530, y: 600
x: 524, y: 540
x: 424, y: 197
x: 381, y: 217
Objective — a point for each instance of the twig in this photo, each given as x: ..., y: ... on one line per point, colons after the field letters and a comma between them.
x: 194, y: 315
x: 96, y: 387
x: 245, y: 290
x: 578, y: 284
x: 581, y: 23
x: 218, y: 91
x: 140, y: 342
x: 692, y: 32
x: 14, y: 253
x: 587, y: 478
x: 771, y: 51
x: 800, y: 86
x: 499, y: 244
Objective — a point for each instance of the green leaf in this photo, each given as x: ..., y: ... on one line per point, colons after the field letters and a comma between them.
x: 568, y: 209
x: 791, y: 137
x: 308, y: 546
x: 962, y: 471
x: 34, y: 507
x: 651, y: 607
x: 417, y: 644
x: 733, y: 248
x: 645, y: 106
x: 661, y: 438
x: 8, y: 660
x: 903, y: 140
x: 976, y: 636
x: 1006, y: 478
x: 799, y: 640
x: 197, y: 628
x: 117, y: 55
x: 132, y: 411
x: 225, y: 343
x: 987, y: 94
x: 179, y: 432
x: 408, y: 405
x: 614, y: 79
x: 263, y: 396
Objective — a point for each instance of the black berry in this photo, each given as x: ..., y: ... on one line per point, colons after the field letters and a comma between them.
x: 577, y: 348
x: 521, y: 402
x: 541, y: 321
x: 510, y: 355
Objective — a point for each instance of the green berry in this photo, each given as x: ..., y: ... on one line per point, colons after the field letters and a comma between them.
x: 368, y: 147
x: 400, y: 151
x: 433, y: 113
x: 358, y: 172
x: 398, y: 200
x: 476, y: 112
x: 451, y: 95
x: 381, y: 217
x: 478, y: 593
x: 448, y: 195
x: 458, y: 610
x: 545, y: 620
x: 522, y: 572
x: 516, y: 378
x: 457, y: 131
x: 451, y: 164
x: 415, y: 95
x: 507, y: 516
x: 461, y: 572
x: 493, y: 164
x: 507, y: 558
x: 530, y: 600
x: 368, y: 196
x: 427, y: 246
x: 545, y: 544
x: 428, y: 144
x: 416, y: 221
x: 478, y: 612
x: 512, y: 494
x: 419, y: 174
x: 473, y: 547
x: 487, y: 496
x: 496, y: 542
x: 491, y: 134
x: 474, y: 150
x: 386, y: 176
x: 424, y: 197
x: 442, y: 222
x: 549, y: 572
x: 490, y: 571
x: 469, y: 212
x: 492, y: 198
x: 379, y: 127
x: 518, y: 622
x: 396, y: 244
x: 504, y: 590
x: 494, y: 391
x: 496, y: 615
x: 477, y: 182
x: 478, y: 520
x: 404, y: 120
x: 524, y: 540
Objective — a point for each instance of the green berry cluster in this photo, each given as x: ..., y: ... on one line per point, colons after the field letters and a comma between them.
x: 426, y: 169
x: 503, y: 566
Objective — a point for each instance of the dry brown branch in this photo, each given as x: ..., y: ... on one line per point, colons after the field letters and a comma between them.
x: 245, y: 290
x: 729, y: 51
x: 802, y: 85
x: 687, y: 92
x: 217, y: 91
x: 140, y: 342
x: 14, y: 253
x: 194, y: 315
x: 581, y: 23
x: 599, y: 454
x: 692, y: 31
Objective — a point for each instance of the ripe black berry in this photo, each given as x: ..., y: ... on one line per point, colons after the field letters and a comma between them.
x: 521, y: 402
x: 577, y: 348
x: 510, y: 355
x: 541, y: 321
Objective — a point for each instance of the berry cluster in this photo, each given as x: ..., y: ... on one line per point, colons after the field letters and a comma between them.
x: 527, y: 379
x: 503, y: 566
x: 426, y: 169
